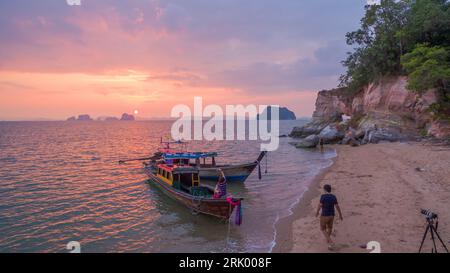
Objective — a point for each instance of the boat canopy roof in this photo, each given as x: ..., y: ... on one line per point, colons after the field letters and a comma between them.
x: 191, y: 155
x: 178, y: 168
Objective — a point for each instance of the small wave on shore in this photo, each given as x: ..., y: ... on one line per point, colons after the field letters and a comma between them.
x: 318, y: 166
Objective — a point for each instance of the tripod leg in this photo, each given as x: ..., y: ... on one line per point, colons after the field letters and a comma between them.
x: 432, y: 238
x: 423, y: 238
x: 439, y: 237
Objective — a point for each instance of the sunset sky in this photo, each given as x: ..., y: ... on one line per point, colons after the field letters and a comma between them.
x: 107, y: 57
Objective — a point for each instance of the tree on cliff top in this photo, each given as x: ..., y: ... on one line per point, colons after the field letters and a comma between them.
x: 428, y: 22
x: 390, y: 30
x: 378, y: 45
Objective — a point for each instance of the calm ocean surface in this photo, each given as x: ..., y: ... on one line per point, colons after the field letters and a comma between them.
x: 60, y: 182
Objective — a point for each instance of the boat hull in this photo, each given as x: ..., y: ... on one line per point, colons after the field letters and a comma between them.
x: 219, y: 208
x: 233, y: 173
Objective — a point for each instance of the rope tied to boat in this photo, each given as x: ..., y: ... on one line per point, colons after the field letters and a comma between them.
x: 196, y: 201
x: 267, y: 155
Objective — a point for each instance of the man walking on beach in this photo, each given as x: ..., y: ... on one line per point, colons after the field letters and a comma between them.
x: 327, y: 203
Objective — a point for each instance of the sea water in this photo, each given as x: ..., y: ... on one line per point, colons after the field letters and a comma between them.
x: 61, y: 182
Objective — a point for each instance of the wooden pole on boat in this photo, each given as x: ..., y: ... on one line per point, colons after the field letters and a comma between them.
x: 155, y: 157
x: 259, y: 171
x: 258, y: 160
x: 261, y: 156
x: 135, y: 159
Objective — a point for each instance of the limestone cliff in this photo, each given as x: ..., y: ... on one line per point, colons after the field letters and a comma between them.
x: 331, y: 104
x: 387, y: 106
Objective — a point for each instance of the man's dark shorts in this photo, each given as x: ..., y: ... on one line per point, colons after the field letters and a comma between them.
x: 326, y: 222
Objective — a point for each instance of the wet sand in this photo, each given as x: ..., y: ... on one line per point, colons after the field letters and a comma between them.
x: 381, y: 192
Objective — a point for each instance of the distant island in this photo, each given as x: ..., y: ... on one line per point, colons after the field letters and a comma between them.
x: 80, y: 118
x: 284, y: 113
x: 127, y: 117
x: 85, y: 117
x: 107, y: 118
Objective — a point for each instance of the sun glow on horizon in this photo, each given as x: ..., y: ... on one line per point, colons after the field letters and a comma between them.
x: 63, y: 95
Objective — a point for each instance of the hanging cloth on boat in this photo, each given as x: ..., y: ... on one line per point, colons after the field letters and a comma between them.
x: 239, y: 210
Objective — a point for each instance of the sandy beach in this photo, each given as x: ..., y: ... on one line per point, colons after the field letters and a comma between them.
x: 381, y: 189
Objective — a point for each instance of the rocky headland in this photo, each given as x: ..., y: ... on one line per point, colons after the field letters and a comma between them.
x: 382, y: 111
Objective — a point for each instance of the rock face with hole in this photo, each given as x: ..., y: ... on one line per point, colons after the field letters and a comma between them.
x: 381, y: 111
x: 331, y: 104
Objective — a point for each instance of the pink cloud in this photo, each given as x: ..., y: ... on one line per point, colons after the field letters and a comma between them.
x: 227, y: 51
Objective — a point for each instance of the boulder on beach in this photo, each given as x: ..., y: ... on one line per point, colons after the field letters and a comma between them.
x: 352, y: 135
x: 311, y: 128
x: 331, y: 134
x: 354, y: 143
x: 359, y: 134
x: 440, y: 129
x: 383, y: 134
x: 308, y: 142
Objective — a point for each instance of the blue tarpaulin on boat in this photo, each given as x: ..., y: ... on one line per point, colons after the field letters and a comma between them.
x: 188, y: 155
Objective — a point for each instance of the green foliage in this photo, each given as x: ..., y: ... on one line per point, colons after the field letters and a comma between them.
x: 403, y: 37
x: 378, y: 48
x: 390, y: 30
x: 440, y: 110
x: 427, y: 67
x: 428, y: 22
x: 423, y: 132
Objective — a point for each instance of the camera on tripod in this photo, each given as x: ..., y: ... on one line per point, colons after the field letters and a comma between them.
x: 431, y: 228
x: 429, y: 214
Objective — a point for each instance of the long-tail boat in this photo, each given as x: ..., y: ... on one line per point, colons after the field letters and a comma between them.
x: 205, y: 162
x: 182, y: 183
x: 208, y: 168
